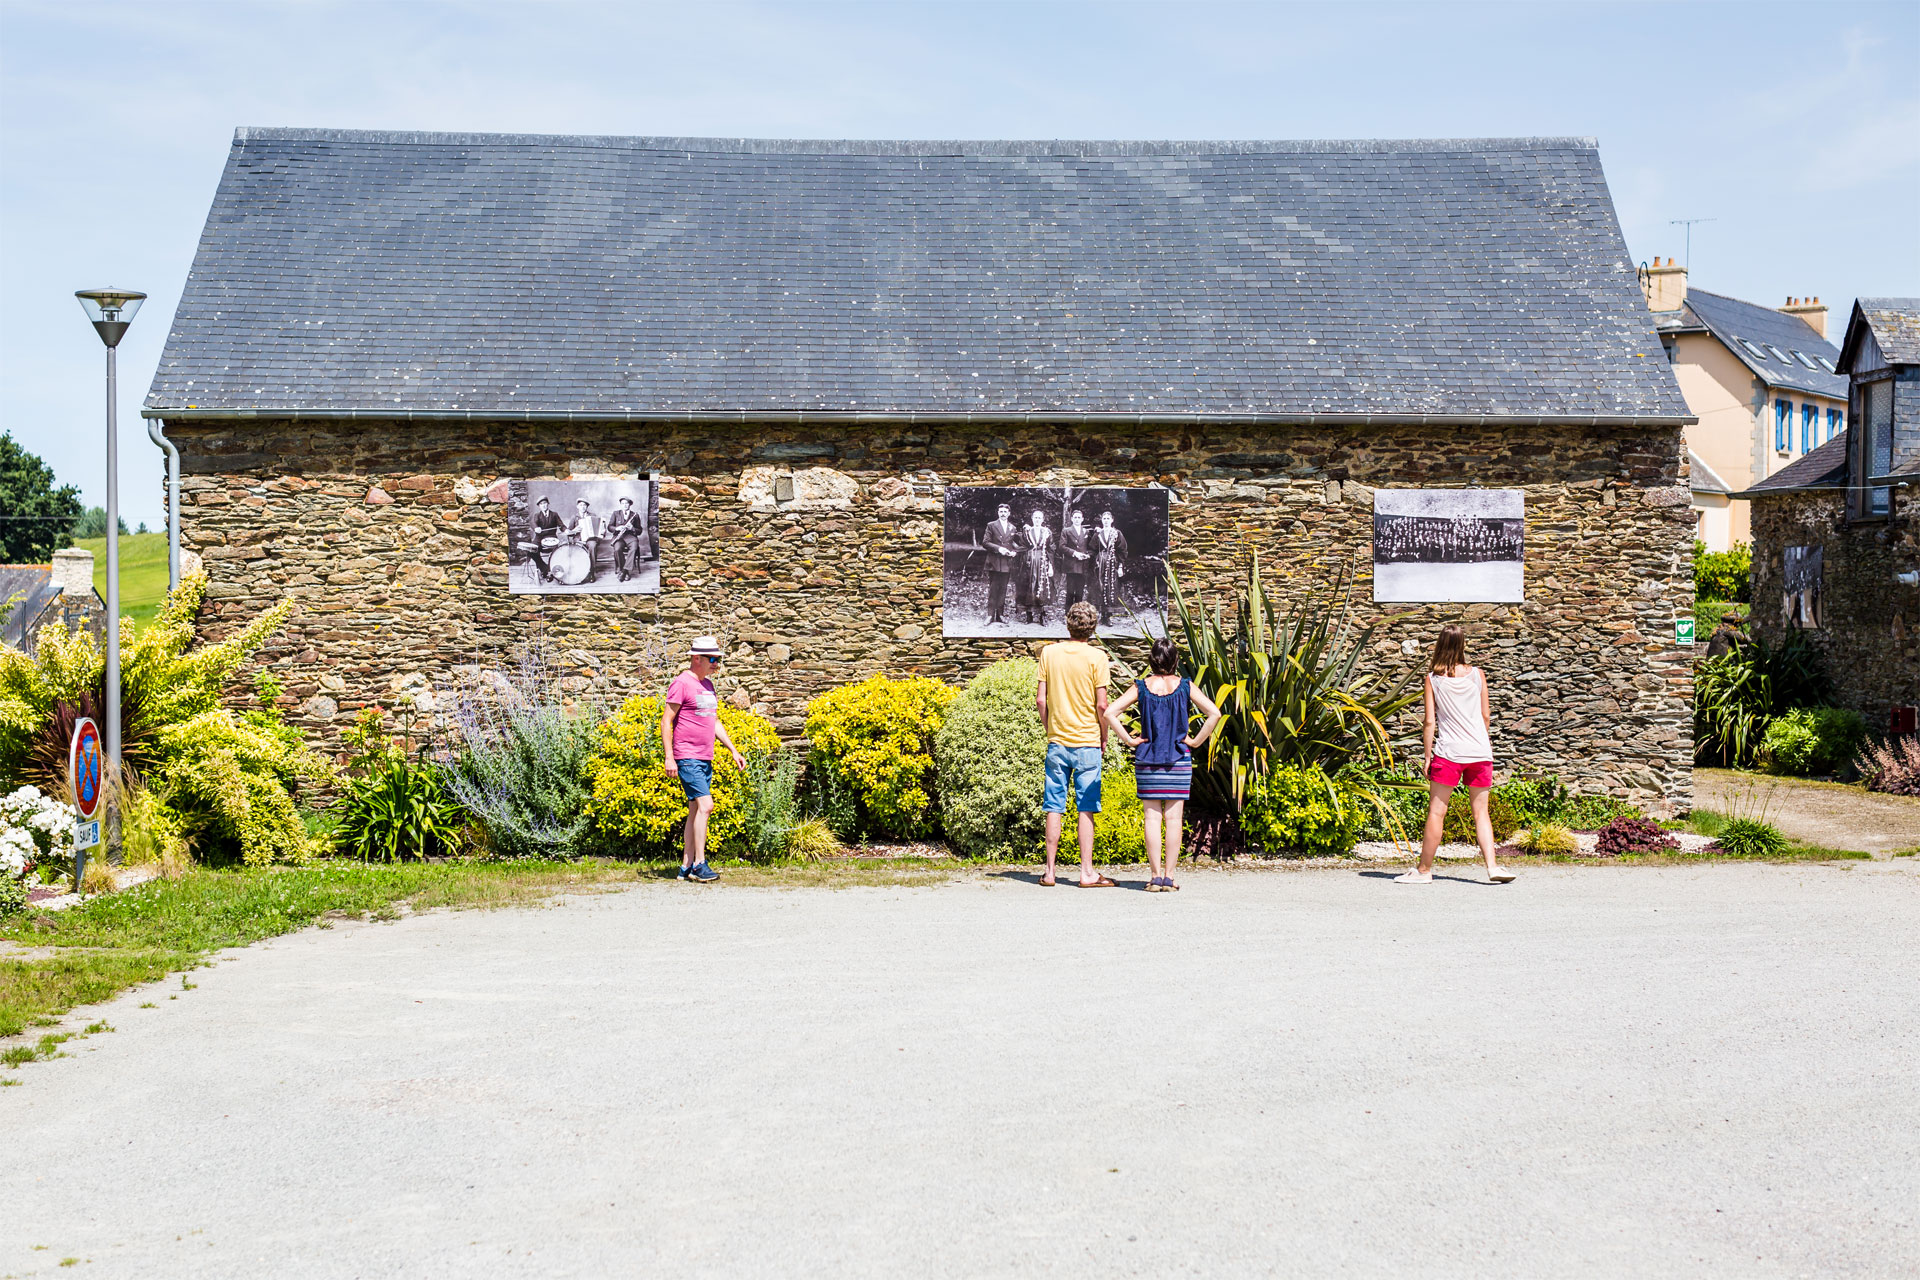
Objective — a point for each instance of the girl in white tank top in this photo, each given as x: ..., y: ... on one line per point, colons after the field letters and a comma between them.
x: 1459, y: 751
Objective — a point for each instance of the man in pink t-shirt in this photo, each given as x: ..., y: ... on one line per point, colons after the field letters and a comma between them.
x: 689, y: 722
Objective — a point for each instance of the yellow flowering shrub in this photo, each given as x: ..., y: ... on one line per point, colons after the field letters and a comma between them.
x: 638, y: 804
x: 219, y: 781
x: 877, y: 738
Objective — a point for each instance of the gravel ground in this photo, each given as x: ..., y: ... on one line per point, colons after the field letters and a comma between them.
x: 1680, y: 1071
x: 1822, y: 813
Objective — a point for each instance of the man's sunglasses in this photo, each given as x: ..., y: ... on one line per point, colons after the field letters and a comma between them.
x: 714, y: 658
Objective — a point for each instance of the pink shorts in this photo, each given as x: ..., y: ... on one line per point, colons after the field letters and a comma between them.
x: 1448, y: 774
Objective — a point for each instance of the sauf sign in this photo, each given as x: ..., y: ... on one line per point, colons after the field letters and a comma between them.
x: 87, y: 775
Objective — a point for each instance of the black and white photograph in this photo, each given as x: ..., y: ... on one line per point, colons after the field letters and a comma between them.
x: 1800, y: 601
x: 1449, y: 546
x: 583, y: 537
x: 1016, y: 558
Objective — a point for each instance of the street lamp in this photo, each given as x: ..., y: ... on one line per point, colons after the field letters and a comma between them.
x: 111, y: 311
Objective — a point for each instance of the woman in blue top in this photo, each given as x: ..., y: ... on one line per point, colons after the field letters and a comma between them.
x: 1163, y: 753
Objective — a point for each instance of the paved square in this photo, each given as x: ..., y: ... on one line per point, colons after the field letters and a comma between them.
x: 1701, y: 1070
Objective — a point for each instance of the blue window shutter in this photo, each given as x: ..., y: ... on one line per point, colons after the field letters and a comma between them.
x: 1780, y: 411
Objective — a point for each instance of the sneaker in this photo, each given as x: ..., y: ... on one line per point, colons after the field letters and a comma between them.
x: 703, y: 873
x: 683, y: 873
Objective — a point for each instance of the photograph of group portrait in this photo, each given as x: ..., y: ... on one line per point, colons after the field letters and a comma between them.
x: 1016, y: 558
x: 582, y: 537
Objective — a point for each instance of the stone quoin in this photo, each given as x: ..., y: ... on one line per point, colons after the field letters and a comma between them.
x: 1268, y: 330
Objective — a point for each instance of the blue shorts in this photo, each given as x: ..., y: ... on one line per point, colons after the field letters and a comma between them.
x: 1082, y: 766
x: 696, y: 778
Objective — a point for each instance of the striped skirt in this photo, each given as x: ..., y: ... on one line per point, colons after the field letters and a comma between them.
x: 1163, y: 781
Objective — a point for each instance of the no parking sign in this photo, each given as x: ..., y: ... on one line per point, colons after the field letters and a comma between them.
x: 87, y: 774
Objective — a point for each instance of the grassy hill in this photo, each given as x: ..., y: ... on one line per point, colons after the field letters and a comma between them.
x: 143, y: 572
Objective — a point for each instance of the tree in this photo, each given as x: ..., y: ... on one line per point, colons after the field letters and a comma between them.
x: 36, y: 518
x: 93, y: 523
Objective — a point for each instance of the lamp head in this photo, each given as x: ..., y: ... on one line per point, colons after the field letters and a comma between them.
x: 111, y: 311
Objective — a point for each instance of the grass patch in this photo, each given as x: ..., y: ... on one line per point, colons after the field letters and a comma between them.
x: 143, y: 572
x: 120, y: 940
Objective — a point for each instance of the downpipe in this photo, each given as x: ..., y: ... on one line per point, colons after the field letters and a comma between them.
x: 156, y: 432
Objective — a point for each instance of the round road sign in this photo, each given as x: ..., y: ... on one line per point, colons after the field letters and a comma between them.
x: 87, y: 767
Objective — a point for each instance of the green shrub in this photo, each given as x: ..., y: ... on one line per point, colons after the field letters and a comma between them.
x: 1300, y: 809
x: 1403, y: 795
x: 876, y: 737
x: 635, y: 802
x: 13, y: 895
x: 1119, y: 830
x: 223, y: 782
x: 1812, y: 740
x: 1458, y: 828
x: 990, y: 757
x: 1737, y: 694
x: 1533, y: 801
x: 769, y: 813
x: 1551, y: 840
x: 1723, y: 575
x: 1751, y: 838
x: 394, y: 804
x: 519, y: 763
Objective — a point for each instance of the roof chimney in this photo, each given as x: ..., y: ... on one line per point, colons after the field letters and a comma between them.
x: 1664, y: 284
x: 73, y: 571
x: 1812, y: 310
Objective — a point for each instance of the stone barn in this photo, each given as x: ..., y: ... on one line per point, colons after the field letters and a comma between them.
x: 387, y: 338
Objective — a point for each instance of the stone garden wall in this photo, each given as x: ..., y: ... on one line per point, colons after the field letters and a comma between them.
x: 392, y: 537
x: 1870, y: 620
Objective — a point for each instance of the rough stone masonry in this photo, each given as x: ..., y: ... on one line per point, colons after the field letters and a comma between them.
x: 392, y: 539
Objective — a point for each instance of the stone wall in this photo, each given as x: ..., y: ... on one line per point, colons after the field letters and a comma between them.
x: 1870, y: 623
x: 392, y: 538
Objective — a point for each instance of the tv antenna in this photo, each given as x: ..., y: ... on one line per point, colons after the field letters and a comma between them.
x: 1688, y: 224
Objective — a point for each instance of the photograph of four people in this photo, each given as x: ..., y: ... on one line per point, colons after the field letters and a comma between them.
x: 1016, y: 558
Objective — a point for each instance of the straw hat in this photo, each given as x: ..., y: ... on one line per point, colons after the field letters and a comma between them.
x: 706, y: 647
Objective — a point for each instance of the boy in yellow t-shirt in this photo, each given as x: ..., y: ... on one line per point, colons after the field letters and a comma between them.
x: 1072, y: 701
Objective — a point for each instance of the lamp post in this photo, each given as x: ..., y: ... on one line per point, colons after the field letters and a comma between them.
x: 111, y: 311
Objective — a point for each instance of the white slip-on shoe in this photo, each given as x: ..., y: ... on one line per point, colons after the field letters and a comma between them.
x: 1414, y: 877
x: 1500, y: 875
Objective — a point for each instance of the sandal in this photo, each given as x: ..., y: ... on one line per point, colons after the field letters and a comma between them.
x: 1047, y: 882
x: 1156, y: 885
x: 1168, y: 885
x: 1098, y: 882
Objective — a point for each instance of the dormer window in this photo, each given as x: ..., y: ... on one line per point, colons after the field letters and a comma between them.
x: 1873, y: 450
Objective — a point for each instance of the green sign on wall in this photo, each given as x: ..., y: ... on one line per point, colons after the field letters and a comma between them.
x: 1683, y: 630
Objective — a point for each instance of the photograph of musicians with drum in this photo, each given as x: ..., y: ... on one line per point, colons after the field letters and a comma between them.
x: 579, y: 537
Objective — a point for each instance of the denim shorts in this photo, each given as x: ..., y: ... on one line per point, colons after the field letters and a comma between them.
x: 1081, y: 766
x: 696, y: 778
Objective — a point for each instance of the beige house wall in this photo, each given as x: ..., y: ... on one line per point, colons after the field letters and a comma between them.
x: 1735, y: 433
x: 1725, y: 396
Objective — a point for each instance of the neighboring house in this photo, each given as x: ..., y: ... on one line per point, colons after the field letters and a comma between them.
x: 1836, y: 550
x: 810, y: 342
x: 35, y: 596
x: 1763, y: 382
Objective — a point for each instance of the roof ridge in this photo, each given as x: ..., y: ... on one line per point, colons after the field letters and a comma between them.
x: 926, y: 147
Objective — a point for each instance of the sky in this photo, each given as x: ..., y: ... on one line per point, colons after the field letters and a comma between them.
x: 1795, y: 128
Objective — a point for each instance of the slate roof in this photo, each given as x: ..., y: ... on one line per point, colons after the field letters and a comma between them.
x: 383, y: 274
x: 1822, y: 468
x: 1730, y: 320
x: 1703, y: 478
x: 1896, y: 327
